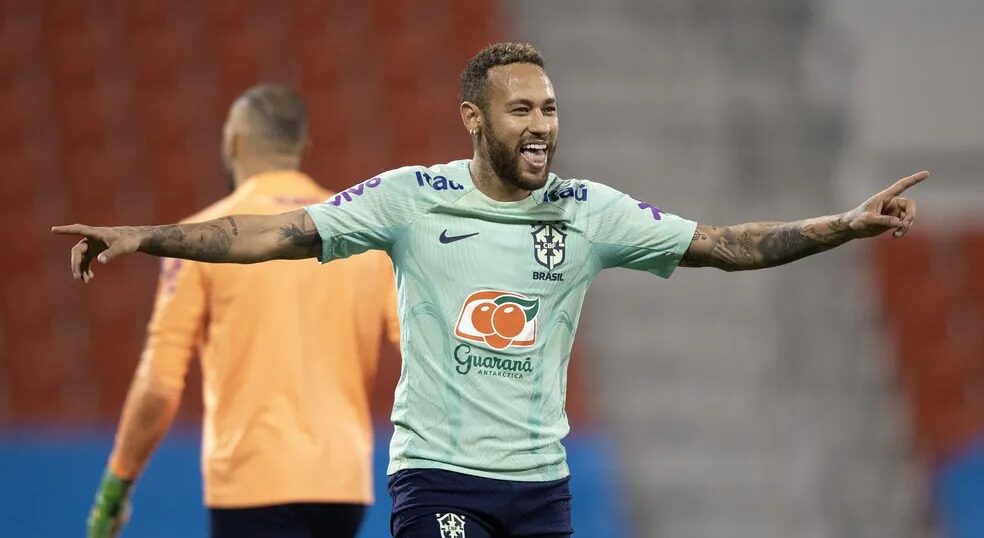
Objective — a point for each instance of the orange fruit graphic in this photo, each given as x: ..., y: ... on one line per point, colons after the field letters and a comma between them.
x: 481, y: 317
x: 508, y: 320
x: 497, y: 342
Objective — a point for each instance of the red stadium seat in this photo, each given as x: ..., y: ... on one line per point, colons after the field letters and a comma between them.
x: 225, y: 15
x: 317, y: 16
x: 921, y: 328
x: 140, y: 16
x: 476, y: 25
x: 239, y: 62
x: 28, y: 355
x: 83, y: 121
x: 389, y: 16
x: 160, y: 58
x: 327, y: 58
x: 17, y: 54
x: 412, y: 60
x: 76, y: 58
x: 167, y: 117
x: 175, y: 180
x: 971, y: 244
x: 952, y: 412
x: 93, y: 177
x: 21, y: 178
x: 14, y: 127
x: 35, y: 372
x: 901, y: 265
x: 63, y: 15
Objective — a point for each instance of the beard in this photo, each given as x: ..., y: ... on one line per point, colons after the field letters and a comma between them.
x: 505, y: 161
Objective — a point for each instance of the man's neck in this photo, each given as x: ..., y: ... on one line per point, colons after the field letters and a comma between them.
x: 491, y: 185
x: 246, y: 170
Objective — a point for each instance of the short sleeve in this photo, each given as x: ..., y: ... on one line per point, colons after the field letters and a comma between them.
x: 368, y: 216
x: 630, y: 233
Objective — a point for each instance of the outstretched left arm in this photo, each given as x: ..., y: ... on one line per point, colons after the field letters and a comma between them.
x: 759, y: 245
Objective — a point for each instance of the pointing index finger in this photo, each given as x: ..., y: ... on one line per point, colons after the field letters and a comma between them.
x: 901, y: 185
x: 72, y: 229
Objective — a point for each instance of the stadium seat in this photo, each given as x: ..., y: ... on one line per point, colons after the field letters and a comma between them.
x: 93, y: 177
x: 971, y: 244
x: 476, y: 25
x: 165, y: 117
x: 159, y: 58
x: 62, y: 15
x: 35, y: 373
x: 13, y: 128
x: 314, y: 16
x: 412, y: 56
x: 20, y: 181
x: 238, y: 63
x: 83, y: 121
x: 17, y: 54
x: 389, y: 16
x: 140, y: 16
x: 225, y: 15
x: 922, y: 326
x: 29, y: 358
x: 327, y: 58
x: 901, y: 266
x: 175, y: 180
x: 76, y: 58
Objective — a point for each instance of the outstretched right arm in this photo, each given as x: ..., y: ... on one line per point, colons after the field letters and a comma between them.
x: 233, y: 239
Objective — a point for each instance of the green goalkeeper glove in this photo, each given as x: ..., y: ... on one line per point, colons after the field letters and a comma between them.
x: 111, y: 508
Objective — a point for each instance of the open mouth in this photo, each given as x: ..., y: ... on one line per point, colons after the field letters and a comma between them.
x: 535, y: 154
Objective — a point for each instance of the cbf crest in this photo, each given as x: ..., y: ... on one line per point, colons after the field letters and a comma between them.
x: 451, y: 525
x: 549, y: 244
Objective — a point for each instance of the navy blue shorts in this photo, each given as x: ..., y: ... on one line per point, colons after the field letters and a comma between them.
x: 295, y: 520
x: 432, y: 503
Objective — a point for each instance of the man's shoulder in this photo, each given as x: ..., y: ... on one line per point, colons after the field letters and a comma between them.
x: 415, y: 182
x: 574, y: 194
x: 444, y: 179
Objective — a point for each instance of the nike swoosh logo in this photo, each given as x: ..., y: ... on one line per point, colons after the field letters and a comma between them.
x: 445, y: 238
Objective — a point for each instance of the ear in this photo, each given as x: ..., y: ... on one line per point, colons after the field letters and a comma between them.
x: 471, y: 117
x: 234, y: 145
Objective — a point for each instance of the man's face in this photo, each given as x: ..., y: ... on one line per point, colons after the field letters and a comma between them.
x: 520, y: 127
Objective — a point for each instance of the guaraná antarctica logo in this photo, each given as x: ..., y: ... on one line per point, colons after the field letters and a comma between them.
x: 498, y: 319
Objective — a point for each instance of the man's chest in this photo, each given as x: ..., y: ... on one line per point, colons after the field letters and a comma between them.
x: 534, y: 255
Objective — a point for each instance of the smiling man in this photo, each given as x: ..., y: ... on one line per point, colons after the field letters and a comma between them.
x: 493, y: 258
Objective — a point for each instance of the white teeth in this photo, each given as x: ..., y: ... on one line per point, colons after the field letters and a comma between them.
x: 535, y: 146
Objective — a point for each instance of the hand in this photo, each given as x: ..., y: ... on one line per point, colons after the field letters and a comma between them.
x: 111, y: 508
x: 886, y: 210
x: 103, y: 244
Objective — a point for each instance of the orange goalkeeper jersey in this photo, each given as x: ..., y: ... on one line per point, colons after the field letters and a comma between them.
x: 288, y: 353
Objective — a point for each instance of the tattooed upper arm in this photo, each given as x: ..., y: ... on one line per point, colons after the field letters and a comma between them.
x: 298, y: 237
x: 714, y: 246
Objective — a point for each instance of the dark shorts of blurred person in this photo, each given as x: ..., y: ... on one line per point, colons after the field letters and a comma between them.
x: 294, y: 520
x: 433, y: 503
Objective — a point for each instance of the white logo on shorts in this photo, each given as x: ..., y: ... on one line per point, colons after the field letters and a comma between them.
x: 452, y: 525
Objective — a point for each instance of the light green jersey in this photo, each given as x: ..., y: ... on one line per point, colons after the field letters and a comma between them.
x: 489, y: 298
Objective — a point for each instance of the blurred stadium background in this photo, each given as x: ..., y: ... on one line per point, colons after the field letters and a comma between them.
x: 838, y: 397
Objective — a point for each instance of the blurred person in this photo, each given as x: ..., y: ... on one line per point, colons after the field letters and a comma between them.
x: 288, y: 356
x: 493, y: 257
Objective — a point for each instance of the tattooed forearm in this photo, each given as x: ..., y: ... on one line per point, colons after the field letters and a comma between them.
x: 235, y: 239
x: 207, y: 241
x: 763, y: 244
